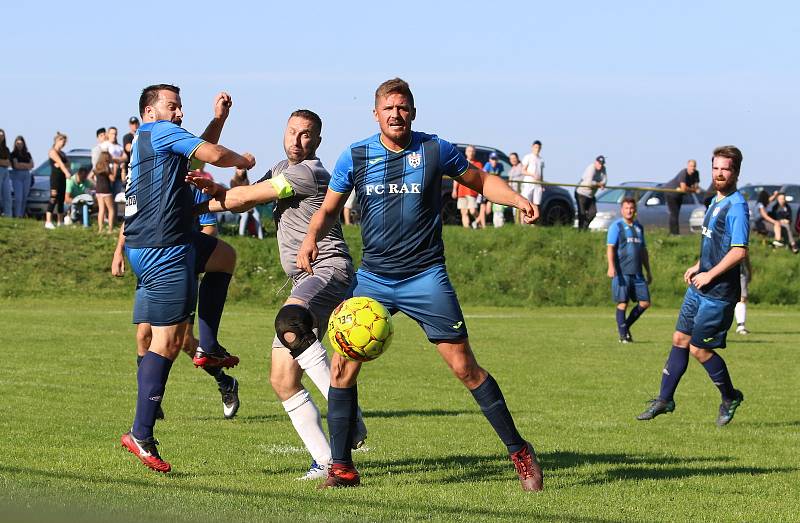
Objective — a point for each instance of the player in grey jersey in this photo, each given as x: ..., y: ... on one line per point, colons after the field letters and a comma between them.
x: 298, y: 184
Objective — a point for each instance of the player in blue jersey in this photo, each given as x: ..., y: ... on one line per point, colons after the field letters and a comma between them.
x: 397, y: 175
x: 707, y: 310
x: 210, y: 252
x: 626, y: 251
x: 158, y: 242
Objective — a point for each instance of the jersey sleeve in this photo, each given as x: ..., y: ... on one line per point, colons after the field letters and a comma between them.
x: 738, y: 224
x: 300, y: 180
x: 452, y: 162
x: 613, y: 235
x: 342, y: 175
x: 205, y: 219
x: 168, y: 137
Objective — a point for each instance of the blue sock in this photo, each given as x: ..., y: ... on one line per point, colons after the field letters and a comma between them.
x: 634, y: 315
x: 342, y: 405
x: 490, y: 399
x: 152, y: 378
x: 718, y: 372
x: 677, y: 361
x: 212, y: 294
x: 621, y: 327
x: 223, y: 380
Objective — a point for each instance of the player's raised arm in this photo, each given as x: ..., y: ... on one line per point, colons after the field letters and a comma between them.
x: 498, y: 191
x: 222, y: 106
x: 220, y: 156
x: 320, y: 224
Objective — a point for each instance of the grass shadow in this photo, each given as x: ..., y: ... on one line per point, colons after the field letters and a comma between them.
x: 417, y: 413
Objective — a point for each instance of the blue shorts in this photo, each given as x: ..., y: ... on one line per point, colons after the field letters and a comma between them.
x: 427, y: 297
x: 166, y: 286
x: 629, y: 287
x: 706, y: 320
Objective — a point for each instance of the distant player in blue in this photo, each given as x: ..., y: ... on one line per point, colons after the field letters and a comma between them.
x: 158, y: 232
x: 707, y: 310
x: 626, y: 251
x: 397, y: 175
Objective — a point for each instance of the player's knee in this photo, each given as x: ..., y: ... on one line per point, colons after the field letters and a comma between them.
x: 294, y: 325
x: 644, y: 304
x: 467, y: 371
x: 701, y: 355
x: 680, y: 339
x: 284, y: 385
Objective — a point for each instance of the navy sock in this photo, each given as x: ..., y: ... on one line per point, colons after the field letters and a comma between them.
x: 212, y: 294
x: 490, y: 399
x: 677, y: 361
x: 718, y: 372
x: 152, y: 378
x: 342, y: 405
x: 223, y: 380
x: 634, y: 315
x: 621, y: 327
x: 139, y: 360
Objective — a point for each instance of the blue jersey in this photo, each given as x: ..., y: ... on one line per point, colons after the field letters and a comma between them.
x: 629, y: 243
x: 726, y: 225
x: 158, y: 201
x: 400, y: 193
x: 205, y: 219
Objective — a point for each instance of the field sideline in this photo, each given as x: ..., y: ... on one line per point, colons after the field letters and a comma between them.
x: 68, y: 382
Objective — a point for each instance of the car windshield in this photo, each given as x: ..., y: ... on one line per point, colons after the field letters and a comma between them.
x: 750, y: 192
x: 75, y: 163
x: 616, y: 195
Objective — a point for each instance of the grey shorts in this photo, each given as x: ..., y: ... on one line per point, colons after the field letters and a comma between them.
x: 322, y: 292
x: 467, y: 202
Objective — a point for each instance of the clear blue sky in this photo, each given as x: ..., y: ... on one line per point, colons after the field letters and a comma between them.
x: 649, y: 84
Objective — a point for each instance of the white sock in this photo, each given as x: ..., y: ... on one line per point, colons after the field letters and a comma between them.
x: 307, y: 423
x: 314, y: 361
x: 741, y: 313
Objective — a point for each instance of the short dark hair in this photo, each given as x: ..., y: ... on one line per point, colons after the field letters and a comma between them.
x: 112, y: 127
x: 83, y: 170
x: 628, y: 199
x: 100, y: 131
x: 394, y: 86
x: 311, y: 116
x: 729, y: 151
x: 536, y: 142
x: 149, y: 95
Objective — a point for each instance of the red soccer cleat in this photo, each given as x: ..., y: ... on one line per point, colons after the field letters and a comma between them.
x: 340, y: 475
x: 217, y: 358
x: 528, y: 468
x: 146, y: 451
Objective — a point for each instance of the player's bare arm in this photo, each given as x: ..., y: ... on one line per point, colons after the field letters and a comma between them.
x: 118, y: 261
x: 320, y: 225
x: 237, y: 199
x: 222, y: 106
x: 610, y: 257
x: 220, y: 156
x: 734, y: 257
x: 646, y: 264
x: 498, y: 191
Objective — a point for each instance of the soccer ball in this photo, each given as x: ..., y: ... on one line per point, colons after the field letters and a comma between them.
x: 360, y: 329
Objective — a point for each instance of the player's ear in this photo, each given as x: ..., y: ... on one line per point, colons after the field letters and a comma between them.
x: 413, y: 113
x: 375, y: 114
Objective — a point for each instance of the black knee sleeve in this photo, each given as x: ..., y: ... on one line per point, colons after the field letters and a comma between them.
x: 299, y: 321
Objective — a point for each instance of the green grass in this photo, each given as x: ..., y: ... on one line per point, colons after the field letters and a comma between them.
x: 512, y: 266
x: 68, y: 385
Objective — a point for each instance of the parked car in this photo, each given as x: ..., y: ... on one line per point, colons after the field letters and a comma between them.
x: 651, y: 207
x: 39, y: 196
x: 557, y: 207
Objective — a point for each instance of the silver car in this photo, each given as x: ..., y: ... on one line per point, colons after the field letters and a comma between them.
x: 651, y: 208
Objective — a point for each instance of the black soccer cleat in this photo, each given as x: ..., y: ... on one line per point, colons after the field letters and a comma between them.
x: 656, y: 407
x: 230, y: 400
x: 728, y: 408
x: 628, y: 337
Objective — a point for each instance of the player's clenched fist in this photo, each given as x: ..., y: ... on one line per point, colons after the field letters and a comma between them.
x: 222, y: 105
x: 307, y: 254
x: 251, y: 159
x: 530, y: 212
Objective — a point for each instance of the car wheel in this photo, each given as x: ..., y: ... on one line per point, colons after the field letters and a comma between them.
x: 450, y: 213
x: 557, y: 213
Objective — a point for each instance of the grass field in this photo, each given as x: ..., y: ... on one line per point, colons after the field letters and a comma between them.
x: 68, y: 384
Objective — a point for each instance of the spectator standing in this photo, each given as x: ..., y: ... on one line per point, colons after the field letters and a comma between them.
x: 686, y: 181
x: 348, y: 208
x: 97, y: 149
x: 493, y: 166
x: 764, y: 223
x: 5, y: 178
x: 21, y: 165
x: 118, y: 161
x: 533, y: 169
x: 239, y: 179
x: 127, y: 140
x: 59, y: 174
x: 515, y: 177
x: 740, y: 310
x: 466, y: 198
x: 782, y: 213
x: 104, y: 187
x: 78, y: 185
x: 594, y: 177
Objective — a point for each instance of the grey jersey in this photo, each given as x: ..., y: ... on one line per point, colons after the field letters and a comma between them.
x: 309, y: 181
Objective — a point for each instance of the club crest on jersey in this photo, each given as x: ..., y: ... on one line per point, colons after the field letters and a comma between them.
x: 414, y: 160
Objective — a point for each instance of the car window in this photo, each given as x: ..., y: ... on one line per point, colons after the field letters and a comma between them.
x: 653, y: 198
x: 75, y: 163
x: 792, y: 192
x: 611, y: 196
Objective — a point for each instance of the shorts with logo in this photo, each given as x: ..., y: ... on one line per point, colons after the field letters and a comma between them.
x: 629, y: 287
x: 705, y: 319
x: 166, y: 287
x: 427, y: 297
x: 322, y: 292
x: 467, y: 202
